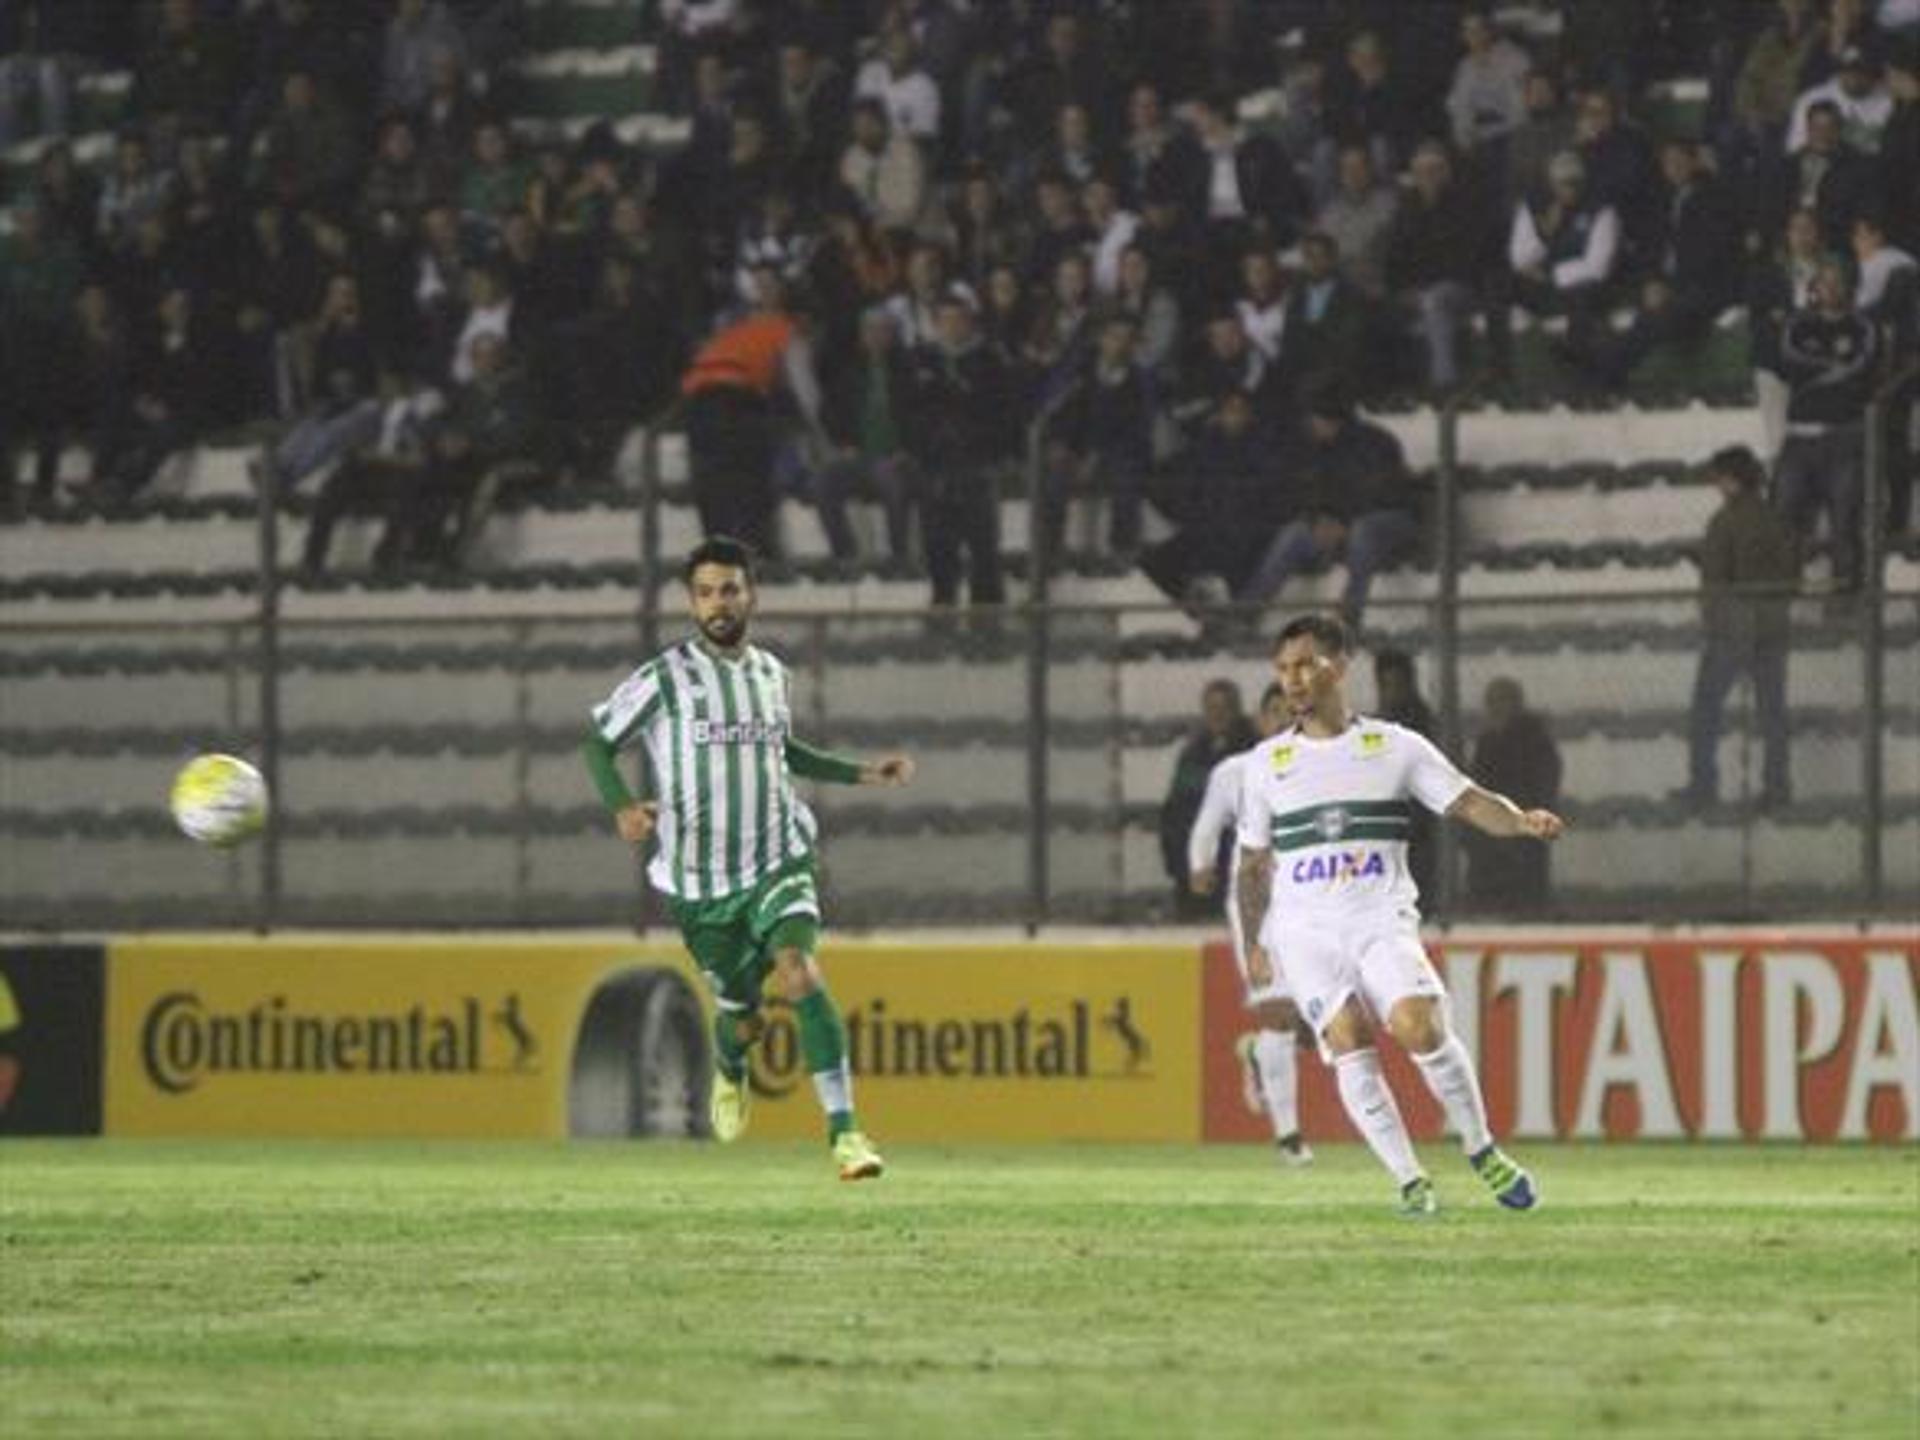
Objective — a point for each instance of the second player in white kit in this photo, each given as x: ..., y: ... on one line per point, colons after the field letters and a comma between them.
x: 1325, y: 815
x: 1268, y: 1056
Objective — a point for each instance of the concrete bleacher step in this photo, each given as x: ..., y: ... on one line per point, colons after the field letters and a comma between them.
x: 583, y: 83
x: 1623, y: 435
x: 593, y: 25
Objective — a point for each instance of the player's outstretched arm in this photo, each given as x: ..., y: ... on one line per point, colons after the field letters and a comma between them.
x: 1494, y: 814
x: 809, y: 762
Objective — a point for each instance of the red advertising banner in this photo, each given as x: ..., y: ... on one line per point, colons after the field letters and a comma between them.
x: 1769, y: 1036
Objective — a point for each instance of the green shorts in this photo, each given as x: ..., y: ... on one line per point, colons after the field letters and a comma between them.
x: 733, y: 938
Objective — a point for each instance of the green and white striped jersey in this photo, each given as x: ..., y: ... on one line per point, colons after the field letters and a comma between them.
x: 716, y: 732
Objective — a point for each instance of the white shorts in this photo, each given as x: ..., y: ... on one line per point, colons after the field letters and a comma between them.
x: 1380, y: 959
x: 1274, y: 989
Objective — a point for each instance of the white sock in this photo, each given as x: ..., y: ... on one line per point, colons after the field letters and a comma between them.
x: 1273, y: 1057
x: 1449, y: 1072
x: 1371, y: 1107
x: 834, y: 1089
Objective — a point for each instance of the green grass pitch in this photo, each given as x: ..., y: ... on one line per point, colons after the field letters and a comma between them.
x: 544, y: 1290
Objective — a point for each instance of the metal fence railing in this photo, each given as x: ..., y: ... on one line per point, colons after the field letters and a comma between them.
x: 425, y: 770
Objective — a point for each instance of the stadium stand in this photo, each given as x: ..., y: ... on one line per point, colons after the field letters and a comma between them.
x: 442, y: 699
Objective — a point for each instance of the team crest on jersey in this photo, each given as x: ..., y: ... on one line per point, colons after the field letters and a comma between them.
x: 1372, y: 743
x: 1331, y: 823
x: 1282, y: 758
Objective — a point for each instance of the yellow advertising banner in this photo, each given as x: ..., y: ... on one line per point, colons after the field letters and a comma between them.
x: 1001, y: 1042
x: 398, y: 1037
x: 447, y: 1036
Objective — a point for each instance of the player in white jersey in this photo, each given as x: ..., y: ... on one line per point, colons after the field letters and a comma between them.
x: 732, y: 843
x: 1268, y: 1056
x: 1324, y: 820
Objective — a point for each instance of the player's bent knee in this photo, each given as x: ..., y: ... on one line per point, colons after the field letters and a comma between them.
x: 1417, y: 1025
x: 796, y: 974
x: 1348, y: 1030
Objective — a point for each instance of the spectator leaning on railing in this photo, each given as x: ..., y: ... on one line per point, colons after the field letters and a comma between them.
x: 1748, y: 560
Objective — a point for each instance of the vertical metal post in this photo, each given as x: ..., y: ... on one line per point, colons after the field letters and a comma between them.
x: 269, y: 621
x: 1040, y: 558
x: 235, y: 637
x: 648, y: 598
x: 649, y: 588
x: 1446, y: 628
x: 522, y: 642
x: 1873, y: 518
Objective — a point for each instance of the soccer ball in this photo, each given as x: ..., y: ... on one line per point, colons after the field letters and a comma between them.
x: 219, y: 800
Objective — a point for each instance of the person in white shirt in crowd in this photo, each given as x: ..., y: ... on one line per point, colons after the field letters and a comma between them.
x: 1563, y: 249
x: 1262, y: 306
x: 1113, y: 231
x: 1858, y: 92
x: 884, y: 169
x: 896, y: 79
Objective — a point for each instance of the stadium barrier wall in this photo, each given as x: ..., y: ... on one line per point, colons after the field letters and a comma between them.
x: 1719, y: 1035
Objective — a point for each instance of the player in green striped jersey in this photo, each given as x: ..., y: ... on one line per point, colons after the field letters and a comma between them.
x: 732, y: 843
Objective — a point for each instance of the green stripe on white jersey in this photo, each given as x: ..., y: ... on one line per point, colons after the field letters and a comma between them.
x: 716, y: 732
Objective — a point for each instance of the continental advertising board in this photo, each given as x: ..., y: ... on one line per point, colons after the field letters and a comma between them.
x: 1711, y: 1036
x: 1010, y: 1042
x: 318, y: 1037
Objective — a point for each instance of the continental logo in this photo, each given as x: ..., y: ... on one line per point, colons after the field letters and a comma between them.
x: 1283, y: 756
x: 183, y: 1043
x: 1372, y: 742
x: 1080, y: 1040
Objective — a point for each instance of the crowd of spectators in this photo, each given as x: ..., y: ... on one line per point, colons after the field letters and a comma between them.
x: 1194, y: 234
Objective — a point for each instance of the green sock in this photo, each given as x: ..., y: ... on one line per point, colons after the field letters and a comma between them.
x: 729, y: 1050
x: 823, y: 1041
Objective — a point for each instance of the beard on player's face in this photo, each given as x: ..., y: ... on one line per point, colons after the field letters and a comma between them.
x: 725, y: 628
